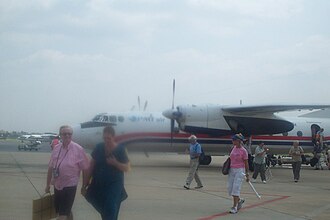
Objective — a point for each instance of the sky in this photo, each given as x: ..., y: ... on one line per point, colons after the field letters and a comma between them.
x: 62, y: 62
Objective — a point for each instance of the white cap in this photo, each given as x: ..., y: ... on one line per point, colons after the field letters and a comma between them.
x: 192, y: 137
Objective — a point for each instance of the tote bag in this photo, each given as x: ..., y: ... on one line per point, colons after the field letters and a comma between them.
x: 226, y: 167
x: 43, y: 208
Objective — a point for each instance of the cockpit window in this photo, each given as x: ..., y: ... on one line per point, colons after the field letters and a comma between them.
x: 113, y: 118
x: 97, y: 118
x: 105, y: 118
x: 121, y: 118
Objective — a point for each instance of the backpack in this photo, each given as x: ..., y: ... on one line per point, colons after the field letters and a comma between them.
x: 202, y: 155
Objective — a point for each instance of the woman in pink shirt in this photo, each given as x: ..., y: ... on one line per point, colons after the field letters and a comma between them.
x: 68, y: 159
x: 238, y: 166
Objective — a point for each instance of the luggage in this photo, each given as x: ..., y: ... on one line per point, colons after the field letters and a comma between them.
x: 43, y: 208
x: 314, y: 161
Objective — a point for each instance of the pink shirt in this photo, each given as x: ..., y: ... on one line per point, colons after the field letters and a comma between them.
x: 237, y: 157
x: 70, y: 163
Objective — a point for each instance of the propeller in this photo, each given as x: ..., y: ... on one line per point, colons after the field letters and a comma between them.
x: 173, y: 114
x: 139, y: 105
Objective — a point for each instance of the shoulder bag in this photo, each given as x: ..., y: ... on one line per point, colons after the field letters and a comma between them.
x: 226, y: 167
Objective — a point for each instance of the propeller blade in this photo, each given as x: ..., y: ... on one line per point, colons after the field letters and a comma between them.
x: 173, y: 93
x: 172, y: 120
x: 145, y: 106
x: 139, y: 102
x: 172, y: 131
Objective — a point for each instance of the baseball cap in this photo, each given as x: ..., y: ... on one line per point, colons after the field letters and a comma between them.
x: 237, y: 137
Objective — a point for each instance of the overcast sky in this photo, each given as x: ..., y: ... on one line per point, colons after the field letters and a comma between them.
x: 62, y: 62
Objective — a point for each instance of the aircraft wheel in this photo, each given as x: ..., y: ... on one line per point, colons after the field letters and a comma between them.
x: 206, y: 161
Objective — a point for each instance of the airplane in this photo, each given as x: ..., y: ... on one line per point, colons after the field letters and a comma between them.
x: 137, y: 130
x: 213, y: 124
x: 39, y: 137
x: 48, y: 137
x: 30, y: 137
x: 262, y: 122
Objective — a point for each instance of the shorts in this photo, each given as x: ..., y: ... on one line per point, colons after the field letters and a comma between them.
x: 235, y: 179
x: 63, y: 199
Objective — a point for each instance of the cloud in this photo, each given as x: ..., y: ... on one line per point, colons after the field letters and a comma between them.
x: 97, y: 56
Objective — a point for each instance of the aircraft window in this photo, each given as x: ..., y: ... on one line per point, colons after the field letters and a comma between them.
x: 285, y: 134
x: 113, y: 118
x: 299, y: 133
x: 96, y: 118
x: 121, y: 118
x: 105, y: 118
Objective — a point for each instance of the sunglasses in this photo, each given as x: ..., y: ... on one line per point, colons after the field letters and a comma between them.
x: 66, y: 134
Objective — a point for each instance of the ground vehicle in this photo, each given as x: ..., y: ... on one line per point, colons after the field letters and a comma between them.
x: 29, y: 145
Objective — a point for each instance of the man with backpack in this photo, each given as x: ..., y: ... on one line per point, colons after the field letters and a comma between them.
x: 195, y: 151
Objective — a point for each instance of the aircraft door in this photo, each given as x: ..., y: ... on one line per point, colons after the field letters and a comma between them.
x: 314, y: 128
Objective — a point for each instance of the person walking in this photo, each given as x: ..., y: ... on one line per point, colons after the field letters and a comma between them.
x: 247, y: 145
x: 259, y: 163
x: 296, y: 151
x: 67, y: 161
x: 55, y: 142
x: 195, y: 150
x: 238, y: 167
x: 106, y: 174
x: 317, y: 154
x: 320, y: 137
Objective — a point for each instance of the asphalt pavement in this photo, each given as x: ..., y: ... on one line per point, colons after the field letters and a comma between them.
x: 155, y: 190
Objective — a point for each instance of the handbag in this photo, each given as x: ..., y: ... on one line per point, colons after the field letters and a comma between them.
x: 43, y: 208
x: 226, y: 167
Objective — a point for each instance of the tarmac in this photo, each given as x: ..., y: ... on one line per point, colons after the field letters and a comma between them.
x: 155, y: 190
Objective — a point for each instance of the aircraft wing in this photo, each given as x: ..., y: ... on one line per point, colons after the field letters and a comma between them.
x: 269, y: 109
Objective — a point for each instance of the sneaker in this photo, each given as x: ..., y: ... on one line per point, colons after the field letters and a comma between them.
x: 186, y: 187
x: 264, y: 181
x: 253, y: 180
x: 296, y: 180
x: 240, y: 203
x: 233, y: 210
x: 198, y: 187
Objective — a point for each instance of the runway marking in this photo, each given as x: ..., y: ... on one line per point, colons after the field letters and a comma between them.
x: 25, y: 174
x: 246, y: 207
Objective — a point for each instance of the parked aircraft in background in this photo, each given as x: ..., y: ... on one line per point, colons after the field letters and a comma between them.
x: 46, y: 137
x: 30, y: 137
x: 213, y: 125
